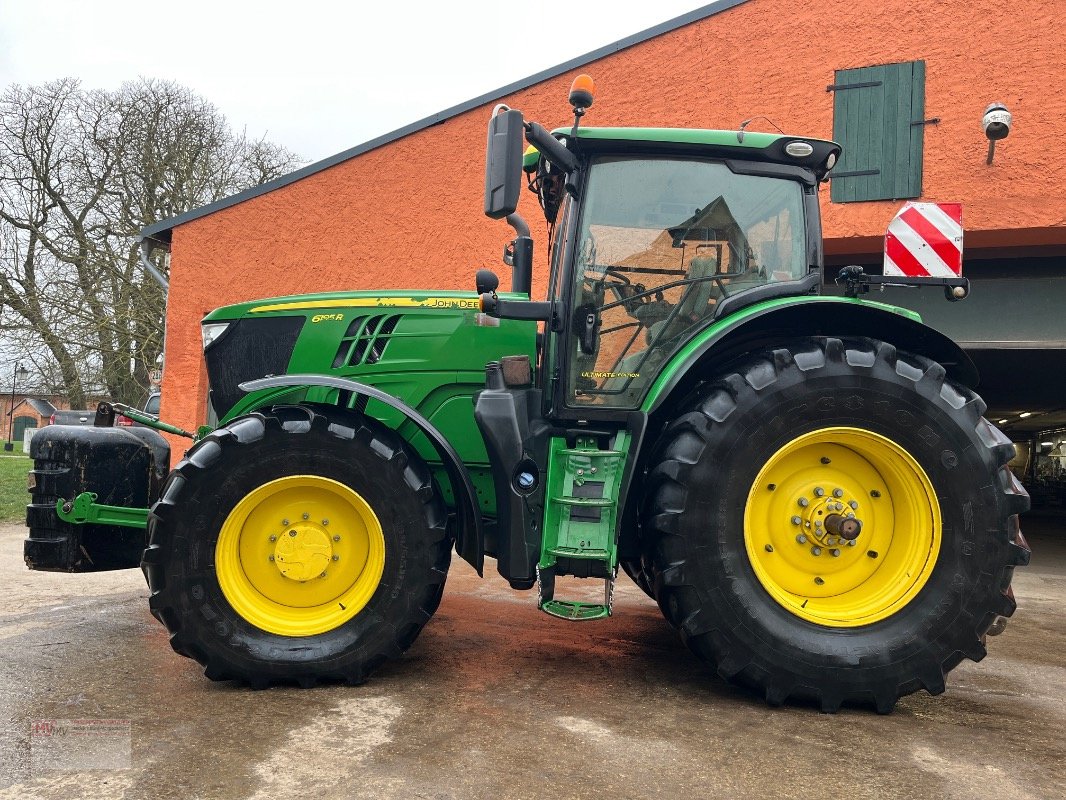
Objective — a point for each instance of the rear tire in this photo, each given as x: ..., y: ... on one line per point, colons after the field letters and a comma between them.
x: 635, y: 571
x: 727, y: 560
x: 238, y: 595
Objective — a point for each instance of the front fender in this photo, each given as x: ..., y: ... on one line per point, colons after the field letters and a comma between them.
x: 469, y: 540
x: 773, y: 322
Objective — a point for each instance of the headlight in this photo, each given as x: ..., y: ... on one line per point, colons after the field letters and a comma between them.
x: 212, y: 331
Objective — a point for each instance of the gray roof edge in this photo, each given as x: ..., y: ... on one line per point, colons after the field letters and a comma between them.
x: 160, y: 231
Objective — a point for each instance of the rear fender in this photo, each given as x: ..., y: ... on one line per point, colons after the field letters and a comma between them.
x: 767, y: 325
x: 469, y: 539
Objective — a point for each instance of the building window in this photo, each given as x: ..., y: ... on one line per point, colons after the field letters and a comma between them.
x: 878, y: 117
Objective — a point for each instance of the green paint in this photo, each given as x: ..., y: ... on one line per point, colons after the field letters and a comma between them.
x: 751, y: 141
x: 432, y: 357
x: 581, y: 514
x: 84, y: 510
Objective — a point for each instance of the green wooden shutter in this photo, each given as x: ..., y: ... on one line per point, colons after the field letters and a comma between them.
x: 878, y: 115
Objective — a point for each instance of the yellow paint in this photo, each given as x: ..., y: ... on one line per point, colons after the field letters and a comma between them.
x: 894, y: 553
x: 465, y: 303
x: 300, y: 555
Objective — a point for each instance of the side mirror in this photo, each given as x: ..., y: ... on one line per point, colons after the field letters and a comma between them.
x: 503, y: 162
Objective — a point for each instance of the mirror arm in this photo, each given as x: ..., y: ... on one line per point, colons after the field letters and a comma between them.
x: 550, y: 147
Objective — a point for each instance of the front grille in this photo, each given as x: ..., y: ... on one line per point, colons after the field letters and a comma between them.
x: 365, y: 340
x: 249, y: 349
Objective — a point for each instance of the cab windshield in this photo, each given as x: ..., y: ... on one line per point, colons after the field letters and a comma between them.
x: 661, y: 242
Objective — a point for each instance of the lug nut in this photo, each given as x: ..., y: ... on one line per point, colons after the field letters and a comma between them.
x: 817, y: 523
x: 593, y: 470
x: 819, y: 491
x: 336, y: 558
x: 270, y: 558
x: 322, y: 575
x: 854, y: 505
x: 273, y: 538
x: 830, y: 540
x: 307, y: 516
x: 851, y: 543
x: 292, y: 533
x: 801, y: 539
x: 871, y: 553
x: 325, y: 522
x: 796, y: 520
x: 804, y: 502
x: 771, y: 486
x: 581, y: 472
x: 834, y: 552
x: 768, y: 548
x: 336, y: 538
x: 838, y: 493
x: 824, y: 459
x: 875, y: 493
x: 819, y: 581
x: 816, y: 551
x: 284, y: 522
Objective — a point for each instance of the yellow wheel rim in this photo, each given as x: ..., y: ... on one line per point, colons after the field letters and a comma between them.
x: 807, y: 566
x: 299, y: 556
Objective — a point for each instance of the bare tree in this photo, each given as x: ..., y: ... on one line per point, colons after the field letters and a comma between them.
x: 81, y: 173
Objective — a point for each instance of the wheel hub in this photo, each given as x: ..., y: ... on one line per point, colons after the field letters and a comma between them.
x: 827, y: 519
x: 300, y: 555
x: 842, y: 527
x: 303, y: 552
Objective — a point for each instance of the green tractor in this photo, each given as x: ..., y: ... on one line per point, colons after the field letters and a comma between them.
x: 805, y: 484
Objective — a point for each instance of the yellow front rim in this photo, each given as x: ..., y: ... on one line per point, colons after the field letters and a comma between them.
x: 300, y: 555
x: 849, y: 473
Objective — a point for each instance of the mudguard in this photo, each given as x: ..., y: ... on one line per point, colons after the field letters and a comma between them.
x: 775, y: 321
x: 469, y: 538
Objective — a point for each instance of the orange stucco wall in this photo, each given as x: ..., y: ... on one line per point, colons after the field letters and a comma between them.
x: 408, y: 214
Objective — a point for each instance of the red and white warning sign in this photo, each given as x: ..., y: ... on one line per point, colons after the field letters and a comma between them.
x: 925, y: 240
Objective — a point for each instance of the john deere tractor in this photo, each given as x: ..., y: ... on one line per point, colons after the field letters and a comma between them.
x: 804, y: 483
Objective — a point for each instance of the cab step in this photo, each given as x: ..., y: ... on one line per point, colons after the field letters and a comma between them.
x: 572, y: 610
x: 580, y: 522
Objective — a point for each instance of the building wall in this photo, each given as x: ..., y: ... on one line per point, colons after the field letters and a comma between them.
x: 408, y: 214
x: 24, y: 409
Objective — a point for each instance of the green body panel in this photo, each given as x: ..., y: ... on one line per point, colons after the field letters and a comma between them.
x: 876, y: 125
x: 433, y: 360
x: 720, y: 327
x: 570, y: 468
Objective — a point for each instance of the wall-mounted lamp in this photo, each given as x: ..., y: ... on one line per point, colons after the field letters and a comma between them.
x: 996, y: 123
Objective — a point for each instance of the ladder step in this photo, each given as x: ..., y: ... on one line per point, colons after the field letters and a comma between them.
x: 573, y: 552
x: 574, y: 611
x: 595, y: 502
x: 593, y: 453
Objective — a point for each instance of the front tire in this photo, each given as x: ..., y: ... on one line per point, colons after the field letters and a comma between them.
x: 740, y: 557
x: 292, y: 546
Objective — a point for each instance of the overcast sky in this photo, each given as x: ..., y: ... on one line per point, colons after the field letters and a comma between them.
x: 317, y: 76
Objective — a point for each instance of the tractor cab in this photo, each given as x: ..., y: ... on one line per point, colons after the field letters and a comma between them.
x: 654, y: 234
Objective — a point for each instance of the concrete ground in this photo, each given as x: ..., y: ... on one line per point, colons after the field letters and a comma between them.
x: 496, y: 700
